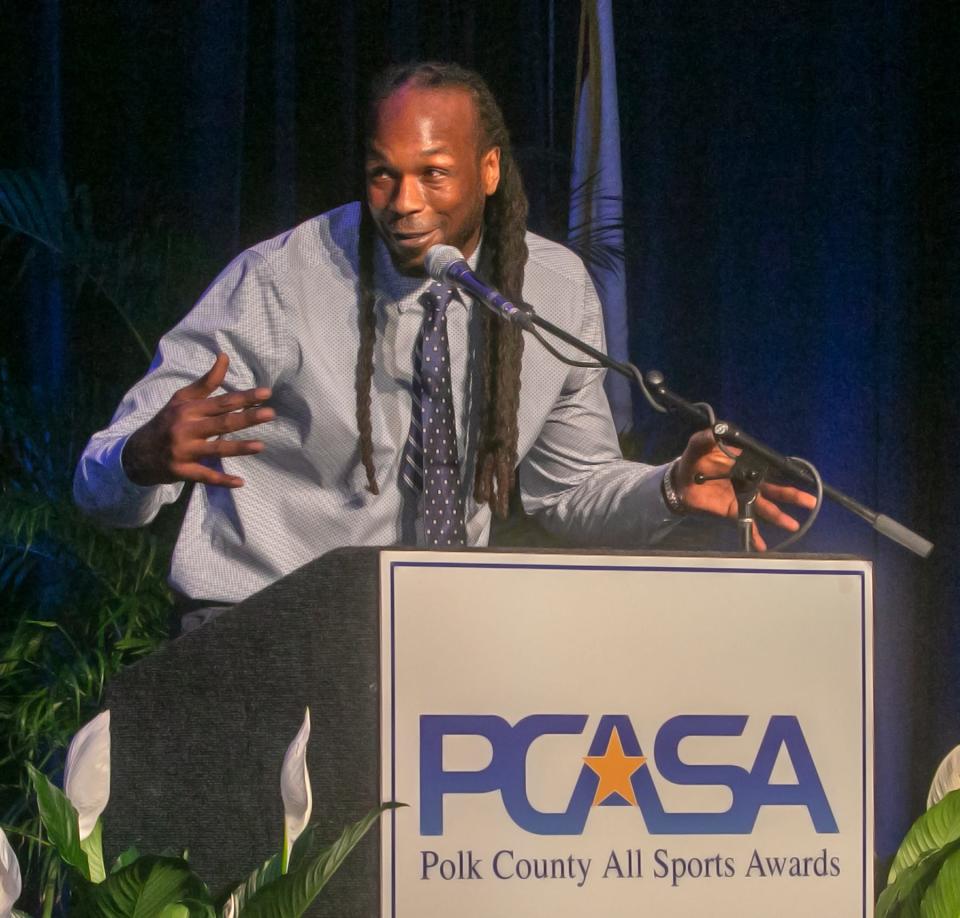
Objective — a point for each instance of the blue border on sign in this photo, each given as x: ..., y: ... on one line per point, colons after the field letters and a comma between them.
x: 629, y: 568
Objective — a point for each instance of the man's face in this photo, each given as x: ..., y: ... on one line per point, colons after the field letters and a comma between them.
x: 427, y: 178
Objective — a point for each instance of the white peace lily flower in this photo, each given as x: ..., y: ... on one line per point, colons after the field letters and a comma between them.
x: 86, y: 776
x: 946, y: 779
x: 295, y: 789
x: 10, y: 883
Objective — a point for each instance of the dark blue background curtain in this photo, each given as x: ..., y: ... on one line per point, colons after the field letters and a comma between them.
x: 791, y: 187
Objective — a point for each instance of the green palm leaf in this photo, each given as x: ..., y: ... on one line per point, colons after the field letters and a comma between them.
x: 34, y: 208
x: 129, y: 273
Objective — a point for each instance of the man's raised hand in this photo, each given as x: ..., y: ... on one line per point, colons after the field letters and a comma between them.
x: 716, y: 497
x: 175, y: 444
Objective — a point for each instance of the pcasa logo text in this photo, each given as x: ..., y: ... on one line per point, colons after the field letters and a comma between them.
x: 615, y: 772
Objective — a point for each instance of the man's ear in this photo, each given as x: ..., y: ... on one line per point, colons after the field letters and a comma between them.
x: 490, y: 170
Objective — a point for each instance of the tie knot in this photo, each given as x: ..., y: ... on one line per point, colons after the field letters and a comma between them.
x: 437, y: 298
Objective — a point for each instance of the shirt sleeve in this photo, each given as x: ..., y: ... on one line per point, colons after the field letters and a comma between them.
x: 575, y: 479
x: 240, y: 315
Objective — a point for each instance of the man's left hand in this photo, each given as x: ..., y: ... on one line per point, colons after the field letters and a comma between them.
x: 703, y: 456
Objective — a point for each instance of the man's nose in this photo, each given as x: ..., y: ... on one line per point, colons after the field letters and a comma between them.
x: 408, y: 199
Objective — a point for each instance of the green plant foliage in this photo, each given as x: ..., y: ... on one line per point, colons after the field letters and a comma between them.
x: 125, y: 858
x: 265, y: 874
x: 290, y: 895
x: 77, y: 602
x: 164, y: 886
x: 270, y: 870
x: 60, y: 648
x: 943, y: 897
x: 937, y: 827
x: 920, y: 867
x: 901, y: 899
x: 60, y: 821
x: 133, y: 274
x: 150, y: 887
x: 92, y: 847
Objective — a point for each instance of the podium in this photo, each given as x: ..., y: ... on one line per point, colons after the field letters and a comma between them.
x: 575, y: 733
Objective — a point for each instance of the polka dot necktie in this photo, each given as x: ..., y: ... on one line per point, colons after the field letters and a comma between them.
x: 431, y: 464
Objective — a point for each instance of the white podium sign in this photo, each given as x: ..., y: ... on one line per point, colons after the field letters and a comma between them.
x: 580, y: 735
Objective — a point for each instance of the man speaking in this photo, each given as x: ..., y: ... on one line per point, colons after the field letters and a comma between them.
x: 382, y: 407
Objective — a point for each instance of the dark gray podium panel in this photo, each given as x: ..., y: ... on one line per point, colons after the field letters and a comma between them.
x: 199, y: 729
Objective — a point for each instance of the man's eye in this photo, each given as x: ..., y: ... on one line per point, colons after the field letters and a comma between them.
x: 435, y: 173
x: 376, y: 174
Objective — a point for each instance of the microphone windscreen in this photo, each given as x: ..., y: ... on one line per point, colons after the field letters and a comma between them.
x: 439, y: 258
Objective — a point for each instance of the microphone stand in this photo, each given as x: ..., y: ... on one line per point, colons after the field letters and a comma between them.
x: 755, y: 459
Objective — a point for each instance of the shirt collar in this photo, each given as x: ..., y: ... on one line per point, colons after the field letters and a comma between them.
x: 405, y: 292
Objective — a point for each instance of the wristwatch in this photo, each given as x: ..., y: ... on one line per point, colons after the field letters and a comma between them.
x: 671, y: 497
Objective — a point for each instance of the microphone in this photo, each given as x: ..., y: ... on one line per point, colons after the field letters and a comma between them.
x: 446, y: 264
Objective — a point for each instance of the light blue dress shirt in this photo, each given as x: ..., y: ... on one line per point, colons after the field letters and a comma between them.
x: 285, y: 312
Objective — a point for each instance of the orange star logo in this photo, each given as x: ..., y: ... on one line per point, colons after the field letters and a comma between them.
x: 614, y: 770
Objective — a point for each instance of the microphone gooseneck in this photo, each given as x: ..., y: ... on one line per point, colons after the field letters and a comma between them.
x: 446, y: 264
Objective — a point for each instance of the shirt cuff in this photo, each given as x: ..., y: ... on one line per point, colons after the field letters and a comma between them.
x: 103, y: 489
